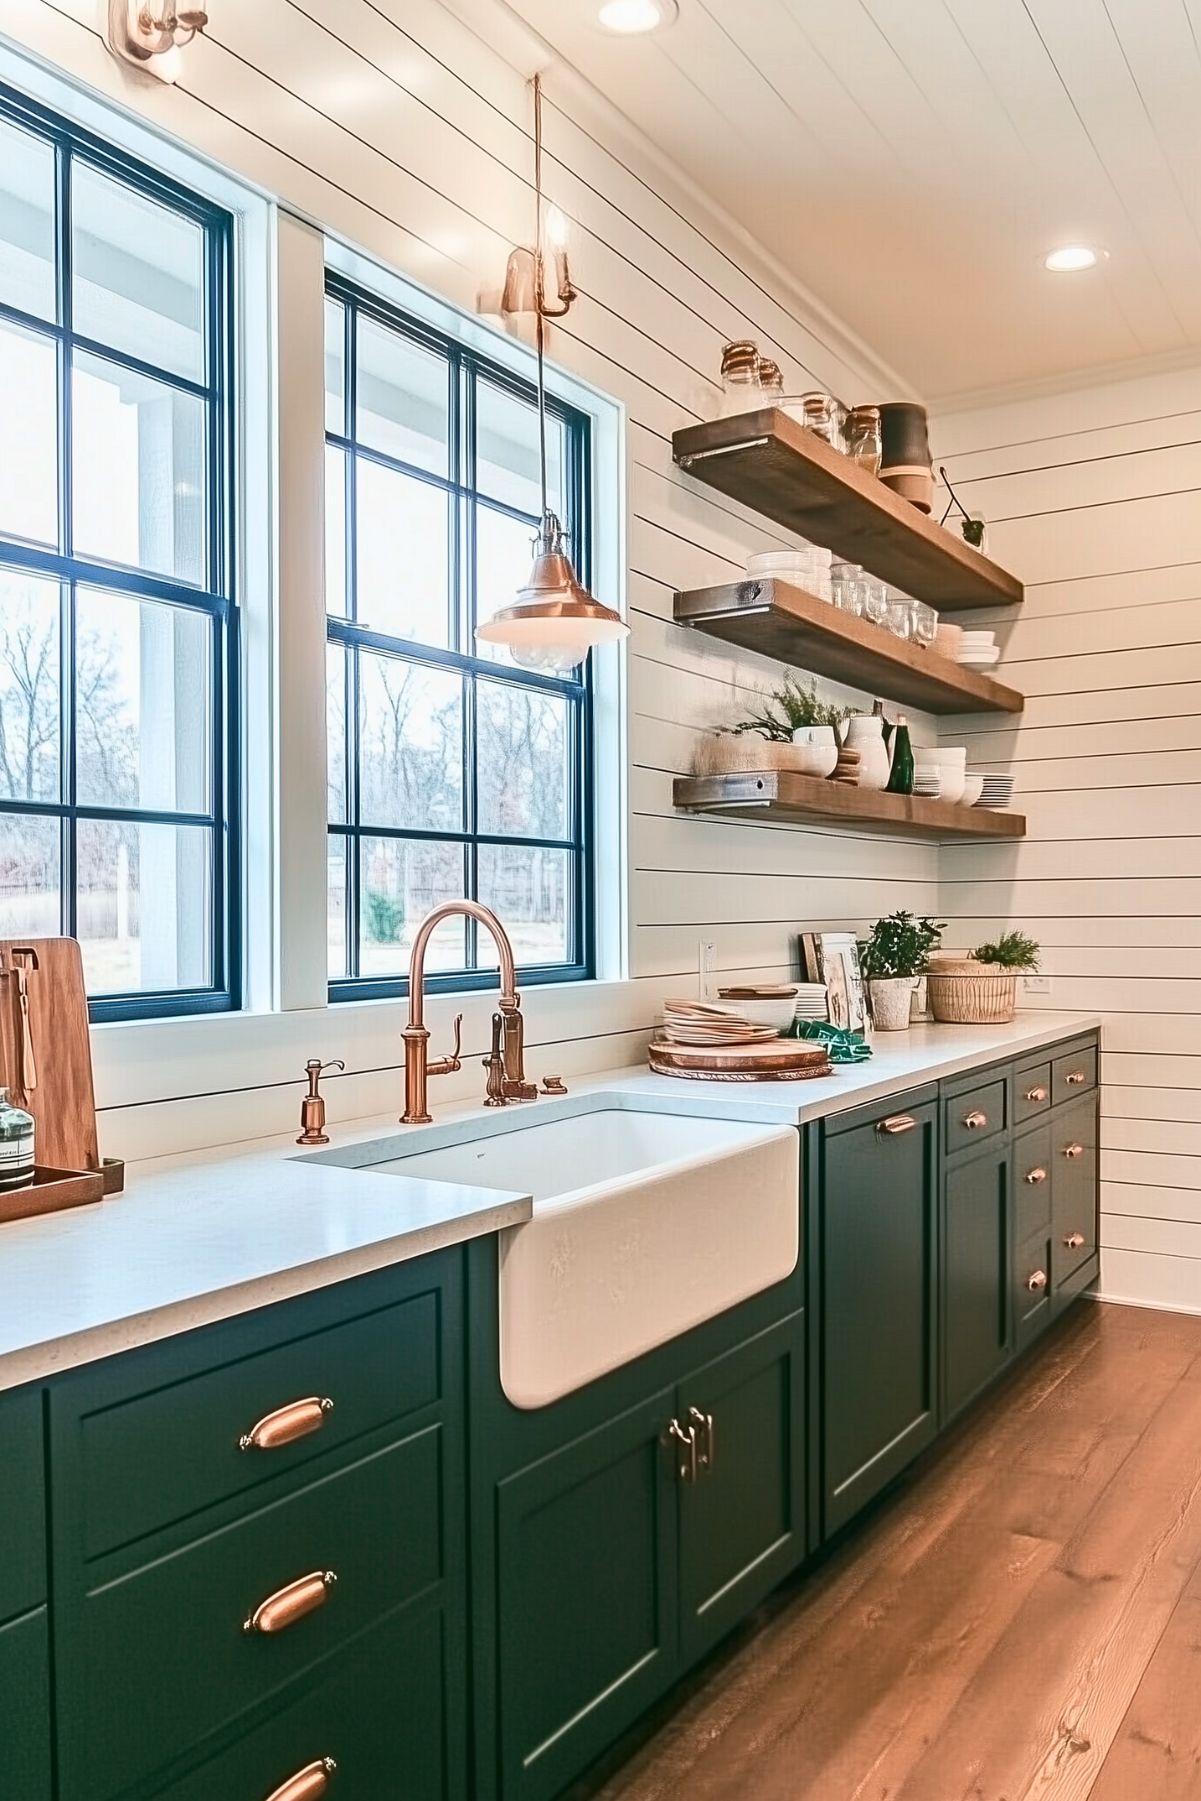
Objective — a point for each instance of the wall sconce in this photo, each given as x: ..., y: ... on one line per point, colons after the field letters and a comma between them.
x: 521, y: 290
x: 150, y: 33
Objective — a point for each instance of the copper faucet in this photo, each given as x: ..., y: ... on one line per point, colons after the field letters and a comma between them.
x: 418, y: 1068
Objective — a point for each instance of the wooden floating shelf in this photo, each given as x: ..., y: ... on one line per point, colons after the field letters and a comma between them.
x: 769, y: 462
x: 784, y: 622
x: 780, y: 794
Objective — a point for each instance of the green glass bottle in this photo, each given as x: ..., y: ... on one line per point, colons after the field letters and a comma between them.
x: 16, y: 1146
x: 901, y: 779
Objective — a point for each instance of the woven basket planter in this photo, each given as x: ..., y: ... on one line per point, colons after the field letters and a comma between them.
x: 966, y: 993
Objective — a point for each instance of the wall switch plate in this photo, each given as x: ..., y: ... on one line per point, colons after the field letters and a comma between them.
x: 1036, y: 984
x: 707, y: 964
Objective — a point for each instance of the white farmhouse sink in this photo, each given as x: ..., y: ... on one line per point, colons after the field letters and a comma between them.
x: 645, y: 1224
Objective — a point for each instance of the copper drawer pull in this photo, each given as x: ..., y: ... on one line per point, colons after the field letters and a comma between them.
x: 974, y: 1121
x: 1077, y: 1079
x: 283, y: 1609
x: 307, y: 1785
x: 900, y: 1122
x: 1036, y: 1094
x: 706, y: 1438
x: 287, y: 1424
x: 1037, y: 1282
x: 686, y: 1466
x: 1072, y: 1151
x: 1035, y: 1176
x: 1074, y: 1241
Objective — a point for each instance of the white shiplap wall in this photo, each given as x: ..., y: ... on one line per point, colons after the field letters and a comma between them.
x: 397, y: 128
x: 1094, y: 498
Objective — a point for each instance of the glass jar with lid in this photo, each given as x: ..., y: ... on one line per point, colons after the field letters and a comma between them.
x: 16, y: 1146
x: 740, y: 391
x: 771, y: 383
x: 863, y: 444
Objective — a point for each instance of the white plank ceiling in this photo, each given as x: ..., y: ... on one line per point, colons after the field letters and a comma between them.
x: 911, y: 161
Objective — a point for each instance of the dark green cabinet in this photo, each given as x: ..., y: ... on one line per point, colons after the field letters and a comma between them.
x: 25, y: 1731
x: 976, y: 1260
x: 25, y: 1709
x: 878, y: 1317
x: 1074, y: 1158
x: 742, y: 1521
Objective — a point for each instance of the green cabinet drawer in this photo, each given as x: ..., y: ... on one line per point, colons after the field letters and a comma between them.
x: 974, y: 1115
x: 1074, y: 1195
x: 25, y: 1709
x: 1033, y: 1169
x: 378, y: 1715
x: 161, y: 1658
x: 1074, y: 1074
x: 22, y: 1503
x: 1031, y: 1091
x: 1032, y: 1292
x: 147, y: 1459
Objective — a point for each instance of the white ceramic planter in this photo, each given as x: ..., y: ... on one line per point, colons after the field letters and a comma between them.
x: 892, y: 997
x: 820, y: 745
x: 865, y: 733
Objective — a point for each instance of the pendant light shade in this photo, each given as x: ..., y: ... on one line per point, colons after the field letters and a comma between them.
x: 554, y: 621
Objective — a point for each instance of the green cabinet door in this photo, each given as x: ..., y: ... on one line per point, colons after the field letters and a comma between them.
x: 742, y: 1521
x: 587, y: 1596
x: 25, y: 1709
x: 878, y: 1231
x: 977, y: 1331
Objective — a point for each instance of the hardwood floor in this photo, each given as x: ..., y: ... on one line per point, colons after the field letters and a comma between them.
x: 1022, y: 1622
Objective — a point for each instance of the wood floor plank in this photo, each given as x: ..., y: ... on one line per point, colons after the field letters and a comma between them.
x: 988, y: 1633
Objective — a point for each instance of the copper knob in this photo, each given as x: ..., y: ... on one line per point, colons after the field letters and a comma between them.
x: 1076, y: 1079
x: 1035, y: 1176
x: 1036, y: 1094
x: 1073, y: 1151
x: 1037, y: 1282
x: 287, y: 1424
x: 288, y: 1605
x: 1074, y: 1241
x: 974, y: 1121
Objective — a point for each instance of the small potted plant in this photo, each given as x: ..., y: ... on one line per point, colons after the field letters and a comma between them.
x: 790, y: 729
x: 981, y: 988
x: 892, y: 959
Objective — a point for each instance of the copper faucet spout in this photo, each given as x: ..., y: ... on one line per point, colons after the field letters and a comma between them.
x: 418, y: 1068
x: 425, y: 931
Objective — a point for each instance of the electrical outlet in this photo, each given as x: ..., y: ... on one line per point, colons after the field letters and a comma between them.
x: 707, y: 966
x: 1036, y: 984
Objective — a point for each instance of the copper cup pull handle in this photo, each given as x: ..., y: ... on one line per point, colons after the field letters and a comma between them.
x: 899, y: 1122
x: 288, y: 1605
x: 1037, y: 1282
x: 687, y: 1466
x: 1076, y: 1079
x: 975, y: 1121
x: 703, y: 1422
x: 1036, y: 1094
x: 1074, y: 1241
x: 308, y: 1784
x: 1035, y: 1176
x: 287, y: 1424
x: 1072, y: 1151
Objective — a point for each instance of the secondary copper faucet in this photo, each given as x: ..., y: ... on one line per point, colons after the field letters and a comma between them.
x: 418, y: 1068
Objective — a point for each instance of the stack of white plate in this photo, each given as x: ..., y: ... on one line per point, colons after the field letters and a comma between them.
x: 699, y: 1023
x: 812, y: 1001
x: 978, y: 650
x: 808, y: 568
x: 947, y: 763
x: 927, y: 781
x: 996, y: 793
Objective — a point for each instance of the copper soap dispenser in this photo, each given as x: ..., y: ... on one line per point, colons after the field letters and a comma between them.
x: 312, y: 1107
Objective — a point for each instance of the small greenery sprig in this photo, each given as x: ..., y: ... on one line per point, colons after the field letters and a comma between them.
x: 785, y: 709
x: 1011, y: 951
x: 899, y: 946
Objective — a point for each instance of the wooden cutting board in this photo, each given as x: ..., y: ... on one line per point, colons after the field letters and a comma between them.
x: 779, y: 1060
x: 58, y: 1089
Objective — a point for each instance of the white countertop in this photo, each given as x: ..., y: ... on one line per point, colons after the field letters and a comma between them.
x: 203, y: 1238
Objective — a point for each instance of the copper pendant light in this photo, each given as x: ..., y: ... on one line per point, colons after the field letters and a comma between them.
x: 554, y: 621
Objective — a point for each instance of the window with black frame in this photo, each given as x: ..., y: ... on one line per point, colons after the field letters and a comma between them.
x: 117, y: 631
x: 452, y: 771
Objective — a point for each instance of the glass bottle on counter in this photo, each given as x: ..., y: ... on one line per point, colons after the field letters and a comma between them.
x: 900, y: 781
x: 16, y: 1146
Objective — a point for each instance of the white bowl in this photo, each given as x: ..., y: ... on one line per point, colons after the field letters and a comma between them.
x: 973, y: 788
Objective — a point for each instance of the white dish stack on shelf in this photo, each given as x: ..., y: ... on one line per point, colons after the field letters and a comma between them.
x: 996, y: 792
x: 807, y: 568
x: 978, y: 650
x: 812, y: 1002
x: 940, y: 772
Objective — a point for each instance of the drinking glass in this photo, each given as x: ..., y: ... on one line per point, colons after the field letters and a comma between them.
x: 900, y: 618
x: 925, y: 623
x: 875, y: 600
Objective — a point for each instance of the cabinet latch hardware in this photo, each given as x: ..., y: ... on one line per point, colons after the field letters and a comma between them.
x: 976, y: 1121
x: 899, y: 1122
x: 287, y: 1424
x: 686, y: 1467
x: 287, y: 1605
x: 1074, y: 1241
x: 308, y: 1784
x: 1035, y: 1176
x: 1036, y: 1094
x: 702, y: 1425
x: 1037, y: 1281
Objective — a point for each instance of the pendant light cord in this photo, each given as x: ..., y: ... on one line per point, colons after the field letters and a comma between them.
x: 540, y: 291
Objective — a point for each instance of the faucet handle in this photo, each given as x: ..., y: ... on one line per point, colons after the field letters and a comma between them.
x: 448, y: 1066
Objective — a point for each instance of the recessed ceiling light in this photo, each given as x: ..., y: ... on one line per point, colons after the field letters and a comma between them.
x: 1071, y: 259
x: 631, y: 18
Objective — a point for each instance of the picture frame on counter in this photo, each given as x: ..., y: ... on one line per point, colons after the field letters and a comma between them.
x: 832, y: 958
